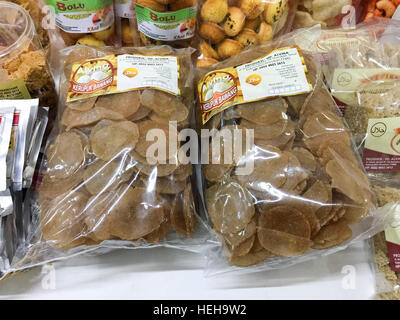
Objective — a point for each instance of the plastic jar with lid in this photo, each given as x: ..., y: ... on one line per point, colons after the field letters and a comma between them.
x: 24, y: 71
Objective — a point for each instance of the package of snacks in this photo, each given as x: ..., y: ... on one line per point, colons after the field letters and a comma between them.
x: 24, y: 71
x: 170, y: 22
x: 345, y: 13
x: 281, y: 177
x: 228, y: 27
x: 115, y: 173
x: 362, y: 68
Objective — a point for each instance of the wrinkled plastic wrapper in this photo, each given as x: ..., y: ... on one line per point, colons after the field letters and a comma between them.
x: 370, y: 54
x: 23, y: 124
x: 344, y: 13
x: 362, y: 67
x: 35, y: 11
x: 98, y: 189
x: 226, y: 28
x: 307, y: 195
x: 34, y: 146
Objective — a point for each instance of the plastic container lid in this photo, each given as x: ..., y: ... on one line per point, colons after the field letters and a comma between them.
x: 16, y: 30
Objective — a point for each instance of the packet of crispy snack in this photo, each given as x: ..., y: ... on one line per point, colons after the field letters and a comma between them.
x: 6, y: 121
x: 34, y: 145
x: 24, y: 117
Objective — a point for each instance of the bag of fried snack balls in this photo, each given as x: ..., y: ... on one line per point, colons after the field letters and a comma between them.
x: 90, y: 22
x: 169, y: 22
x: 281, y: 180
x: 228, y: 27
x: 102, y: 183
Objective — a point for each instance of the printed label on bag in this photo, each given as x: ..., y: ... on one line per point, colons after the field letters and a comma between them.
x: 80, y: 16
x: 14, y: 90
x: 347, y: 84
x: 336, y: 40
x: 282, y: 72
x: 166, y: 26
x: 392, y: 235
x: 116, y: 74
x: 382, y: 145
x: 125, y: 8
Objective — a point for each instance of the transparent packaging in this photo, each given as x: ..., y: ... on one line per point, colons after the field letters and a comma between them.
x: 97, y: 188
x: 345, y: 13
x: 228, y: 27
x: 35, y: 11
x: 306, y: 195
x: 22, y: 58
x: 92, y: 22
x: 362, y: 67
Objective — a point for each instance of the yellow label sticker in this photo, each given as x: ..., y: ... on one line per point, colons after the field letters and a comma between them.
x: 281, y: 72
x: 14, y: 90
x: 122, y: 73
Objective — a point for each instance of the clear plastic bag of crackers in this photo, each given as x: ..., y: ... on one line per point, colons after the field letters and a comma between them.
x: 362, y: 69
x: 114, y: 174
x: 281, y: 177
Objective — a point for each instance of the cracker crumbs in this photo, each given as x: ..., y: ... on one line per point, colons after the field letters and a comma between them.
x: 386, y: 195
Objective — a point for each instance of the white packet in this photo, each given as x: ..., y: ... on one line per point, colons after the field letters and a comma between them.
x: 6, y: 122
x: 24, y: 118
x: 34, y: 146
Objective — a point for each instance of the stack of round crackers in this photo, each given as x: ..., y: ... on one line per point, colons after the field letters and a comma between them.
x: 98, y: 181
x: 306, y: 187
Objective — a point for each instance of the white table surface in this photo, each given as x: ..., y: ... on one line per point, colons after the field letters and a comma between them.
x: 162, y: 273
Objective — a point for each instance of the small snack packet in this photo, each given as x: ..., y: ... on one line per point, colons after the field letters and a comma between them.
x: 24, y: 118
x: 34, y: 146
x: 6, y: 122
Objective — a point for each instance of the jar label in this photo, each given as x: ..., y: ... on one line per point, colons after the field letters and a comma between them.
x: 115, y: 74
x: 125, y: 8
x: 80, y: 16
x: 166, y: 26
